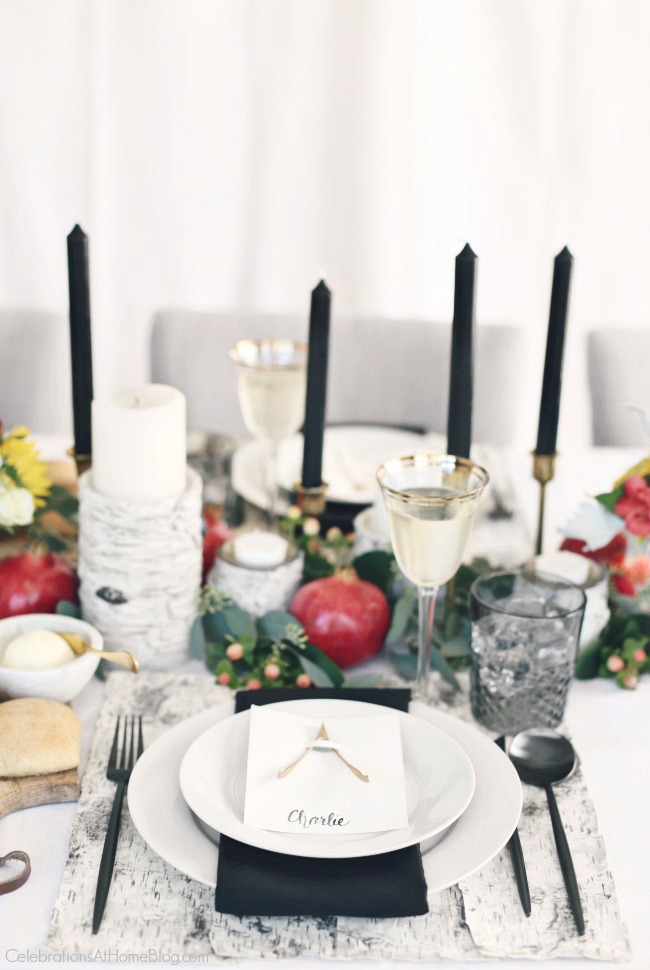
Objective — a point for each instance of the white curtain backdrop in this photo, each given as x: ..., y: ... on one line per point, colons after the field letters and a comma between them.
x: 223, y: 153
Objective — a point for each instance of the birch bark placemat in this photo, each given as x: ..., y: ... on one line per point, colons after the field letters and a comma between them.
x: 151, y: 905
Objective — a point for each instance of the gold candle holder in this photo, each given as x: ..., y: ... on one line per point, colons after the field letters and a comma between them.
x: 311, y: 500
x: 543, y: 472
x: 83, y: 462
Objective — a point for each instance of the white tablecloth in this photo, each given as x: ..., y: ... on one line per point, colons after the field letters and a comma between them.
x: 610, y: 728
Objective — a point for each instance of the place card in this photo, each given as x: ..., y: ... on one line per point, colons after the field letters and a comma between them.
x: 322, y: 795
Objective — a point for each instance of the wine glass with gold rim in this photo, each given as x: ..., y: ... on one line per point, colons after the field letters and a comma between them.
x: 271, y: 384
x: 431, y: 501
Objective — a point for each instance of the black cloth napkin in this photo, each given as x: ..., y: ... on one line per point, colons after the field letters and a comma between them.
x: 256, y: 882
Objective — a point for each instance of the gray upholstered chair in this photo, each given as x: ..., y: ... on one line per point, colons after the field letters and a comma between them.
x: 619, y: 374
x: 387, y: 371
x: 35, y: 370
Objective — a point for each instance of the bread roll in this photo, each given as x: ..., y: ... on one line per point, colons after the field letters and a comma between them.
x: 37, y: 737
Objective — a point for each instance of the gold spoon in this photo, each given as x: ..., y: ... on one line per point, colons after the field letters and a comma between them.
x: 120, y: 657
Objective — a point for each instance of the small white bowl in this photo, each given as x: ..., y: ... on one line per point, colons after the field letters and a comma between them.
x: 60, y: 683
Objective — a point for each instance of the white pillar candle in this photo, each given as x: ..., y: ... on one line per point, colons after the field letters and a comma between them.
x: 260, y: 549
x: 139, y: 444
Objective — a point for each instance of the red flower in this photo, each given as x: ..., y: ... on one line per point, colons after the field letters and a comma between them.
x: 628, y: 576
x: 605, y: 554
x: 634, y: 507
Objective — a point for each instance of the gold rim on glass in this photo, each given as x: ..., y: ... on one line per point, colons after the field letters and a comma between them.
x: 429, y: 459
x: 295, y: 352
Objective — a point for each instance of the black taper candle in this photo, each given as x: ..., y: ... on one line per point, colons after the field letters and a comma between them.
x: 459, y: 415
x: 80, y: 339
x: 314, y: 428
x: 549, y: 411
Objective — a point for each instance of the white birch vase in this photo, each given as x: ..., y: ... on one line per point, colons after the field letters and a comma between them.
x: 140, y: 571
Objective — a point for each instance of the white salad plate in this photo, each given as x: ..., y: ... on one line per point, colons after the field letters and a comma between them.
x: 165, y: 821
x: 351, y: 456
x: 439, y: 784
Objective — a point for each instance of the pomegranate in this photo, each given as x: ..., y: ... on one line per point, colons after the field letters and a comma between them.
x: 216, y: 533
x: 35, y: 583
x: 346, y: 617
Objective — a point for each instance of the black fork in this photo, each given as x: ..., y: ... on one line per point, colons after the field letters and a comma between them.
x: 120, y: 765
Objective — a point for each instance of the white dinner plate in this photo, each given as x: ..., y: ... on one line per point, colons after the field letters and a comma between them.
x: 351, y: 456
x: 439, y: 784
x: 165, y: 822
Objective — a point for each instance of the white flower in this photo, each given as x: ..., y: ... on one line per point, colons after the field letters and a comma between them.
x: 294, y: 512
x: 16, y: 507
x: 311, y: 527
x: 595, y: 525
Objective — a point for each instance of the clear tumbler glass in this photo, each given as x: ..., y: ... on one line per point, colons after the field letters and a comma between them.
x: 525, y: 633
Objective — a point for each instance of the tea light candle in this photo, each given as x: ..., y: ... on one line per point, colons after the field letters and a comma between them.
x: 259, y: 549
x: 139, y: 444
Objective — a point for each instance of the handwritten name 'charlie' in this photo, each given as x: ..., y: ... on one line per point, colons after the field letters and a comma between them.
x: 299, y: 817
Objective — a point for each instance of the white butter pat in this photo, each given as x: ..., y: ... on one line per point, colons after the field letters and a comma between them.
x: 37, y: 650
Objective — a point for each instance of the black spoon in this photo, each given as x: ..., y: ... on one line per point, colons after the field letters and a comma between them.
x: 542, y: 757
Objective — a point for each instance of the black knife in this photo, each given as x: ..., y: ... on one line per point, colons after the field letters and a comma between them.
x: 517, y: 857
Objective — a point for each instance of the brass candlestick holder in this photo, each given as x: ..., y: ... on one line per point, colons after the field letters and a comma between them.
x: 543, y: 472
x: 311, y: 500
x: 83, y: 462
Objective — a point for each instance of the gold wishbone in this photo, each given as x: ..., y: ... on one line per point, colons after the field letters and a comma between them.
x: 322, y: 736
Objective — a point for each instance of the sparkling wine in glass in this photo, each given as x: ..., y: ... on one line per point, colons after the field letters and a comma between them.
x: 431, y: 501
x: 271, y: 383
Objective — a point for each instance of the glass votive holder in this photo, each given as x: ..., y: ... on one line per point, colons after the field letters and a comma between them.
x: 525, y: 633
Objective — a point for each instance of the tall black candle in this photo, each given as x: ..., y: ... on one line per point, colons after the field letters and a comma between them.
x: 80, y: 342
x: 459, y: 415
x: 549, y: 411
x: 313, y: 431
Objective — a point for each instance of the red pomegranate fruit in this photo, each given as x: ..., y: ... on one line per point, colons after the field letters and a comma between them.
x: 346, y: 617
x: 35, y: 583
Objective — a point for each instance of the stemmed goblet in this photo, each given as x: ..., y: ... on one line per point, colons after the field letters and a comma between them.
x: 272, y: 381
x: 431, y: 501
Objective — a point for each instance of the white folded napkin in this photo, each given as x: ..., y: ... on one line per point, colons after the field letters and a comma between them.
x: 322, y: 795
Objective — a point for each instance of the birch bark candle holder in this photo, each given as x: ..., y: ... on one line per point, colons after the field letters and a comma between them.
x: 256, y: 585
x: 140, y: 570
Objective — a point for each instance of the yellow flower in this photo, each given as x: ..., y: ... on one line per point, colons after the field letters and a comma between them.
x: 19, y: 453
x: 641, y: 468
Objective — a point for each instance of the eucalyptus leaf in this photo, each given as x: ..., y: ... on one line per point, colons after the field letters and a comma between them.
x: 65, y: 608
x: 311, y: 653
x: 375, y: 567
x: 231, y: 621
x: 457, y: 647
x: 197, y: 640
x: 403, y: 610
x: 439, y: 663
x: 362, y: 680
x: 406, y: 665
x: 588, y: 662
x: 276, y: 623
x: 316, y: 567
x: 319, y: 677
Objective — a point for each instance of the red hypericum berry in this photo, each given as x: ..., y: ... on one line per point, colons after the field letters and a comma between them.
x: 272, y: 671
x: 235, y: 651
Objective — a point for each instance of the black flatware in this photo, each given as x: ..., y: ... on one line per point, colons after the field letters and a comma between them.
x: 517, y: 857
x: 542, y: 757
x: 120, y: 765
